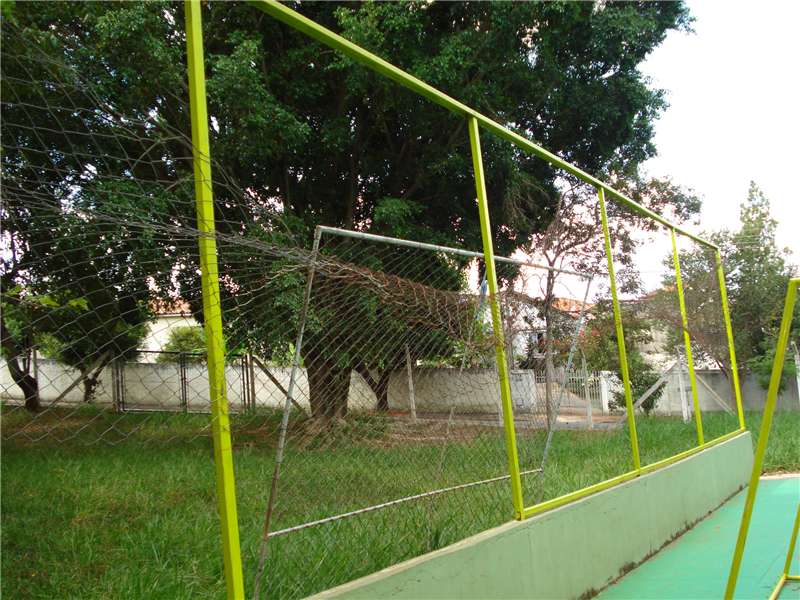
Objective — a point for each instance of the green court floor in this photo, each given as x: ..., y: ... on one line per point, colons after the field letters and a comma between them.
x: 697, y: 564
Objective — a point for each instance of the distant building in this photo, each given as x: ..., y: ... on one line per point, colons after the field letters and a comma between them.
x: 169, y: 314
x: 525, y: 328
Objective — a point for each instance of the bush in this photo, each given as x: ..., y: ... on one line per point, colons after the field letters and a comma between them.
x: 191, y: 341
x: 642, y: 377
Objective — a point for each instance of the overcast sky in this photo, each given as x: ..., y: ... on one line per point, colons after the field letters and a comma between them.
x: 734, y: 116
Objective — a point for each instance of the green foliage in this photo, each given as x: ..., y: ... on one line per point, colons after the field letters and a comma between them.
x: 187, y: 340
x: 602, y: 350
x: 600, y: 344
x: 762, y: 366
x: 76, y: 170
x: 330, y: 138
x: 396, y: 217
x: 642, y: 377
x: 313, y: 138
x: 7, y: 9
x: 757, y: 274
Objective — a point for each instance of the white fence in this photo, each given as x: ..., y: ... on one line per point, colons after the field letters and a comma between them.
x: 149, y: 386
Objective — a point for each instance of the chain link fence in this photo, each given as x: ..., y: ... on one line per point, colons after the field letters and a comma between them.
x: 368, y: 365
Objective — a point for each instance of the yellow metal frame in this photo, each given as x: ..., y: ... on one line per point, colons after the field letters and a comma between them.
x: 687, y: 340
x: 215, y: 346
x: 758, y: 462
x: 497, y: 320
x: 477, y: 121
x: 785, y: 575
x: 623, y: 355
x: 622, y: 478
x: 729, y: 331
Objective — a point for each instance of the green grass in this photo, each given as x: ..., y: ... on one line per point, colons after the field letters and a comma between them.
x: 140, y: 521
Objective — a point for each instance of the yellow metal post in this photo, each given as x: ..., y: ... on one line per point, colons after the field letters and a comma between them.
x: 787, y: 565
x: 215, y: 349
x: 729, y: 330
x: 285, y: 14
x: 623, y: 356
x: 687, y: 340
x: 766, y: 423
x: 497, y: 321
x: 792, y: 545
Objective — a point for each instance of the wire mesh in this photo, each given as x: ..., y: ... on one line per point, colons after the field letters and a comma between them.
x: 709, y: 378
x: 77, y: 284
x: 399, y: 392
x: 387, y: 411
x: 394, y: 443
x: 100, y: 254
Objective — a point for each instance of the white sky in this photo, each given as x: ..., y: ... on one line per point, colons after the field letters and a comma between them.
x: 733, y: 115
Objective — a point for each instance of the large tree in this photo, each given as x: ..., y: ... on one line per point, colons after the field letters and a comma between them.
x: 757, y: 274
x: 73, y: 174
x: 574, y: 240
x: 303, y: 136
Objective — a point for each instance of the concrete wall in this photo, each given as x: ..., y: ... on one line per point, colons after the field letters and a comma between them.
x: 159, y: 331
x: 717, y: 391
x: 471, y: 390
x: 573, y: 550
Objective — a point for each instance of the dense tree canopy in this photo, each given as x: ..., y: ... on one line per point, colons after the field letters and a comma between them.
x: 329, y: 140
x: 303, y: 136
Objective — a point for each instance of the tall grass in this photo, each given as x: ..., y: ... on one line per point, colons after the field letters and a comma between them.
x: 140, y: 521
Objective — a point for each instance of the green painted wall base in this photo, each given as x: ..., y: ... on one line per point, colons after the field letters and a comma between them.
x: 572, y: 550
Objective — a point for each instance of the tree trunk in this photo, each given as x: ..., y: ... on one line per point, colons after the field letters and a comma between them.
x: 380, y: 387
x: 382, y: 392
x: 89, y: 388
x: 329, y: 385
x: 22, y: 377
x: 27, y: 383
x: 549, y: 375
x: 90, y: 382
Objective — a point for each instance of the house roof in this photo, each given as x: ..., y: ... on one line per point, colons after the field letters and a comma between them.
x: 570, y: 306
x: 178, y: 306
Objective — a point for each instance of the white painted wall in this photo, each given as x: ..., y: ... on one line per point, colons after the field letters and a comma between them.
x: 158, y: 335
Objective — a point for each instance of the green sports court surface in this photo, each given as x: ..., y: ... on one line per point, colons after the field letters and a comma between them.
x: 697, y: 564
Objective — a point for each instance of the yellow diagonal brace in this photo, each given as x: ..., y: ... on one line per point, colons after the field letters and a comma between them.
x: 766, y: 423
x: 215, y: 348
x: 497, y: 320
x: 348, y: 48
x: 623, y: 355
x: 729, y: 332
x: 687, y: 340
x: 792, y: 545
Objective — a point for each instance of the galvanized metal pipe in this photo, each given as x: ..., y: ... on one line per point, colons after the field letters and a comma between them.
x: 348, y: 48
x: 552, y: 427
x: 285, y: 420
x: 623, y: 355
x: 215, y: 348
x: 497, y: 321
x: 393, y: 503
x: 687, y: 340
x: 766, y: 423
x: 729, y: 331
x: 434, y: 248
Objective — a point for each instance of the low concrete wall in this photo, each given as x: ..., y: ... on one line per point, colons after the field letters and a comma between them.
x: 470, y: 390
x: 576, y: 549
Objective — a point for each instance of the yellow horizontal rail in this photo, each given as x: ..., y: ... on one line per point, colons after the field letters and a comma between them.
x: 348, y: 48
x: 555, y: 502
